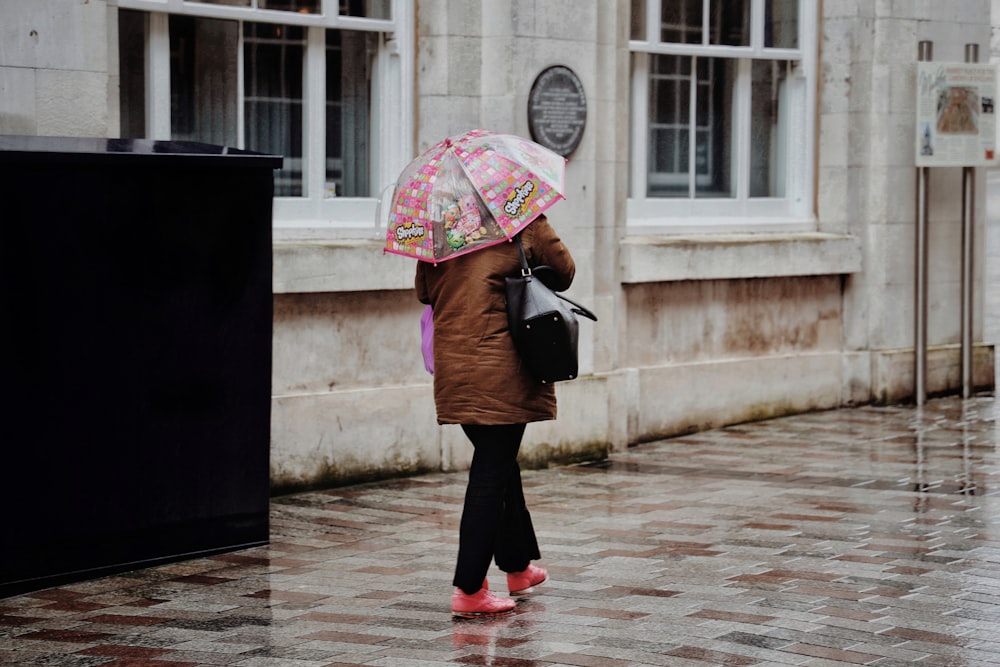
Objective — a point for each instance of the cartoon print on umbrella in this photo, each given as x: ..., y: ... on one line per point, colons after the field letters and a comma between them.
x: 470, y: 192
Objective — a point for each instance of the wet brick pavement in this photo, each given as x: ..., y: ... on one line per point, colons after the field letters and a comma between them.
x: 867, y: 536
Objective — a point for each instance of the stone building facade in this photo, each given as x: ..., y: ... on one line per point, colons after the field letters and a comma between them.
x: 741, y: 204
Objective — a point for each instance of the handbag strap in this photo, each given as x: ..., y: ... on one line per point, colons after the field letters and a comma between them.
x: 526, y: 273
x: 525, y: 269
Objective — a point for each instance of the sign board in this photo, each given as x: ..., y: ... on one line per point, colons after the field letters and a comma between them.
x: 956, y: 121
x: 557, y: 110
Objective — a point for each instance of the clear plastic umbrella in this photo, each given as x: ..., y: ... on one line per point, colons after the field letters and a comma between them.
x: 470, y: 192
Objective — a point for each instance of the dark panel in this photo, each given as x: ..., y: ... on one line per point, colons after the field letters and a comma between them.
x: 135, y: 280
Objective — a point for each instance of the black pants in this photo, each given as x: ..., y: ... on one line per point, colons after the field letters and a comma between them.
x: 495, y: 520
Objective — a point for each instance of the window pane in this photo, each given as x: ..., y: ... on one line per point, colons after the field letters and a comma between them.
x: 273, y: 56
x: 713, y: 150
x: 238, y: 3
x: 730, y: 22
x: 669, y: 126
x: 373, y: 9
x: 681, y: 21
x: 781, y: 24
x: 638, y: 14
x: 132, y: 72
x: 348, y: 105
x: 767, y: 130
x: 663, y: 113
x: 300, y: 6
x: 669, y: 161
x: 203, y: 80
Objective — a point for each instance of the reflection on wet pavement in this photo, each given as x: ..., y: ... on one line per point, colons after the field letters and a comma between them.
x: 867, y: 536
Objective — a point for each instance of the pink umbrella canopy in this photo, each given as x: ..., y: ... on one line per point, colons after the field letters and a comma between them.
x: 470, y: 192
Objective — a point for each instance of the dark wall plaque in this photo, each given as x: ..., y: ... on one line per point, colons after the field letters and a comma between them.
x: 557, y: 110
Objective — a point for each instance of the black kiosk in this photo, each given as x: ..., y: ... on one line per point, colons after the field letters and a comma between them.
x: 135, y: 279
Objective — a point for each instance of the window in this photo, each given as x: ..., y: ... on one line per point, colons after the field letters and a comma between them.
x: 722, y: 99
x: 323, y: 83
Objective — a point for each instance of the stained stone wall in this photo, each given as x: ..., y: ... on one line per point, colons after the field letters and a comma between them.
x: 58, y: 72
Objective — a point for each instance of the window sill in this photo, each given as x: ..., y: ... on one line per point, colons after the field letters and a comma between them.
x: 647, y: 259
x: 359, y: 265
x: 341, y: 265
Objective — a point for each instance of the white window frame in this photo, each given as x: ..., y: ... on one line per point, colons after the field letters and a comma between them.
x: 792, y: 213
x: 392, y: 131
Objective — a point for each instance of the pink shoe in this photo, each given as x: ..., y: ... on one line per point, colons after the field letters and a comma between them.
x: 523, y: 583
x: 480, y: 603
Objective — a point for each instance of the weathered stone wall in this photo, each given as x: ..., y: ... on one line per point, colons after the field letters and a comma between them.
x: 58, y: 74
x: 867, y: 188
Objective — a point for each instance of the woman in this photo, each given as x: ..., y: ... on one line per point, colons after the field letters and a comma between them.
x: 479, y: 383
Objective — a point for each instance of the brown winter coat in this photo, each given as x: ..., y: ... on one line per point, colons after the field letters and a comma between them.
x: 478, y: 377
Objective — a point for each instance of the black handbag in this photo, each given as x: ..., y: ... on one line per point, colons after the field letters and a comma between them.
x: 543, y: 324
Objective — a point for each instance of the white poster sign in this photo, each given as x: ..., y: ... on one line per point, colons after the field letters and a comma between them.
x: 956, y: 123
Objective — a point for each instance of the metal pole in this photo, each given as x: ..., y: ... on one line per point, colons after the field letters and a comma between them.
x: 968, y: 232
x: 924, y: 53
